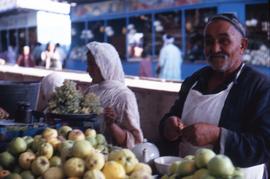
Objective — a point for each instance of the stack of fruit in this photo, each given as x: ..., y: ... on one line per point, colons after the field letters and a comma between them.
x: 205, y: 164
x: 69, y: 153
x: 68, y: 100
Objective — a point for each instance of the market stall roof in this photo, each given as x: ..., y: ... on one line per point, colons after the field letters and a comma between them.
x: 43, y: 5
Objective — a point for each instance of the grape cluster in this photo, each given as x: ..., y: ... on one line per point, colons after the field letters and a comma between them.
x: 68, y: 100
x: 91, y: 104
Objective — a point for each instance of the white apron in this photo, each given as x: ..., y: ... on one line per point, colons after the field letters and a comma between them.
x: 199, y: 108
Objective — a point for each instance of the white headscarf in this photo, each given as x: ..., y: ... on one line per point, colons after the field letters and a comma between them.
x: 113, y: 91
x: 108, y: 61
x: 48, y: 86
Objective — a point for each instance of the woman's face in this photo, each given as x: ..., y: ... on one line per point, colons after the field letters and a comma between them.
x: 93, y: 69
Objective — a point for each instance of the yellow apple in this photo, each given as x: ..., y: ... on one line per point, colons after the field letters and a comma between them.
x: 49, y: 133
x: 76, y: 135
x: 114, y: 170
x: 95, y: 160
x: 40, y: 165
x: 90, y: 132
x: 46, y: 149
x: 74, y: 167
x: 126, y: 158
x: 140, y: 175
x: 53, y: 173
x: 142, y: 167
x: 26, y: 159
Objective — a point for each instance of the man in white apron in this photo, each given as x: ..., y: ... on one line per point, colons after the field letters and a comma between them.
x: 226, y: 105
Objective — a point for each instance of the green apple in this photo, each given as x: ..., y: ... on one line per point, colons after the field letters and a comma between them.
x: 74, y: 167
x: 29, y: 140
x: 203, y: 156
x: 82, y: 148
x: 92, y: 140
x: 55, y: 161
x: 93, y: 174
x: 17, y: 146
x: 101, y: 139
x: 27, y: 174
x: 173, y: 167
x: 53, y: 173
x: 201, y: 173
x: 40, y: 165
x: 238, y: 173
x: 189, y: 157
x: 6, y: 159
x: 66, y: 149
x: 220, y: 166
x: 64, y: 130
x: 186, y: 167
x: 38, y: 140
x: 13, y: 176
x: 26, y: 159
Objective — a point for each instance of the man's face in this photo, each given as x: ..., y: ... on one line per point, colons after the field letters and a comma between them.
x: 223, y: 46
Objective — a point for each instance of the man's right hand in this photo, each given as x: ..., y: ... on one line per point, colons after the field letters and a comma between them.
x: 173, y: 128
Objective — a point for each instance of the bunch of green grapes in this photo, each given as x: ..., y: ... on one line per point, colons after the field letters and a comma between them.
x: 91, y: 104
x: 66, y: 99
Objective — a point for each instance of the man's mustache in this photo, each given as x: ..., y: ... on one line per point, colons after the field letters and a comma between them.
x: 217, y: 55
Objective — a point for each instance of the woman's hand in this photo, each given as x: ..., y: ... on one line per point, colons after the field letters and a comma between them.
x: 109, y: 115
x: 201, y: 134
x: 173, y: 128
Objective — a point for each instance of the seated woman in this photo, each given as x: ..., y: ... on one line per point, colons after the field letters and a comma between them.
x: 47, y: 88
x: 121, y: 116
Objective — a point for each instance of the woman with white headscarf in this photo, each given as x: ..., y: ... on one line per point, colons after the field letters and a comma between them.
x: 121, y: 116
x: 47, y: 88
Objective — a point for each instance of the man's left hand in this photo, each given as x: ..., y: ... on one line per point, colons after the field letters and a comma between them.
x: 201, y: 134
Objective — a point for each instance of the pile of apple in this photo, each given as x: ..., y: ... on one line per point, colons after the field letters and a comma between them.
x: 69, y: 153
x: 204, y: 164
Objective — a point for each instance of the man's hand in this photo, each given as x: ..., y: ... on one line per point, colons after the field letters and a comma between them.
x: 173, y: 128
x: 109, y: 115
x: 201, y: 134
x: 3, y: 114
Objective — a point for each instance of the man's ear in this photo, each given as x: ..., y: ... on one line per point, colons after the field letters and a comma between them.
x: 243, y: 45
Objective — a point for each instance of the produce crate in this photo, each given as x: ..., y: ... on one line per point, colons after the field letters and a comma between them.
x: 10, y: 129
x: 80, y: 121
